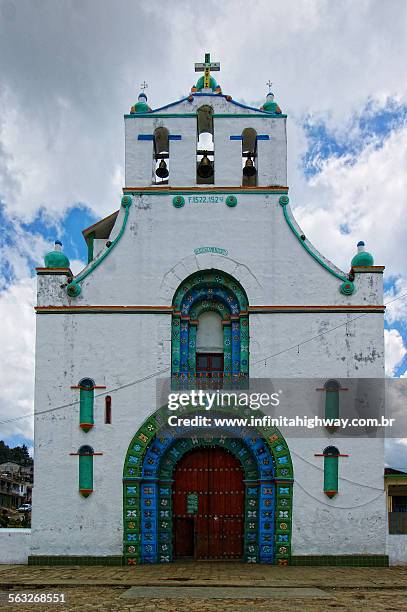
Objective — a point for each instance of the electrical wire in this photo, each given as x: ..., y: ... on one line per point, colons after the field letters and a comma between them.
x: 359, y: 484
x: 320, y: 501
x: 328, y: 331
x: 152, y: 375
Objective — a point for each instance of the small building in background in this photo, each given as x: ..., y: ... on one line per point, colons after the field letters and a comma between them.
x: 395, y: 482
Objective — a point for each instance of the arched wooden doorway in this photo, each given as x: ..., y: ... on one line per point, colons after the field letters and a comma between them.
x: 208, y: 505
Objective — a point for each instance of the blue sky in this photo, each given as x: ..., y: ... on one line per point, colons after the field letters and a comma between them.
x: 70, y: 71
x: 68, y: 228
x: 371, y: 125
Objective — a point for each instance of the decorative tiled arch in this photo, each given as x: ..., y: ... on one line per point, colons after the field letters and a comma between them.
x: 150, y: 460
x: 199, y: 291
x: 214, y: 305
x: 211, y: 278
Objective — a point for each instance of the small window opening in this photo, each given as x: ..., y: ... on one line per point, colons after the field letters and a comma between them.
x: 87, y: 383
x: 161, y: 156
x: 205, y: 168
x: 249, y: 157
x: 108, y: 410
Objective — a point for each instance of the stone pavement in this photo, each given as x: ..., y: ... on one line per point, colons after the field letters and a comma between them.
x: 102, y: 588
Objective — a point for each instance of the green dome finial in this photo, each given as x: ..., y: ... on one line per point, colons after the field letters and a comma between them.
x: 270, y: 106
x: 56, y: 258
x: 362, y: 257
x: 141, y: 105
x: 201, y: 84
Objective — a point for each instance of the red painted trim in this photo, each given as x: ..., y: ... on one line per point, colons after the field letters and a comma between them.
x: 331, y: 389
x: 80, y: 455
x: 333, y: 307
x: 330, y: 493
x: 85, y: 492
x: 88, y: 388
x: 109, y: 309
x: 322, y: 455
x: 50, y: 269
x: 252, y: 309
x: 86, y: 426
x: 201, y: 188
x: 368, y: 268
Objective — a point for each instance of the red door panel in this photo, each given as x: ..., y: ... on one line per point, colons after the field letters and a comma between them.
x: 216, y: 476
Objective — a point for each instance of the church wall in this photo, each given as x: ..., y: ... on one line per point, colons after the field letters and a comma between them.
x: 271, y: 160
x: 14, y: 545
x: 102, y: 347
x: 397, y: 549
x: 99, y: 347
x: 161, y: 246
x: 157, y: 252
x: 355, y: 520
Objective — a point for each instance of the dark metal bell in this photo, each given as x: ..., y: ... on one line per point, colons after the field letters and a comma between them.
x: 249, y: 169
x: 162, y: 170
x: 205, y: 169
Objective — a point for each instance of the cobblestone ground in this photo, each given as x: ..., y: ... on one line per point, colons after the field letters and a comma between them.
x: 100, y: 588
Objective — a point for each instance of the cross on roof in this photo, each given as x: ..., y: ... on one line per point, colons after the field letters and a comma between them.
x: 206, y: 67
x: 269, y: 84
x: 144, y: 85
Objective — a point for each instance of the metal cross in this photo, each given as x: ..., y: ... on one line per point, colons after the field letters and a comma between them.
x: 143, y: 85
x: 269, y: 84
x: 206, y: 67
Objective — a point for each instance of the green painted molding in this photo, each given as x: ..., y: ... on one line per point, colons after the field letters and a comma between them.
x: 161, y: 116
x: 74, y: 560
x: 73, y: 289
x: 198, y: 191
x: 194, y: 115
x: 341, y: 560
x: 251, y: 115
x: 284, y: 203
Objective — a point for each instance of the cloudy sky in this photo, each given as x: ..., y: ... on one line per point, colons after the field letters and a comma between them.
x: 70, y: 69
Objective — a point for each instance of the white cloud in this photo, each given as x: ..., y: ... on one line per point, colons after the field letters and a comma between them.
x: 396, y: 453
x: 19, y: 251
x: 369, y: 195
x: 61, y: 111
x: 17, y: 356
x: 65, y: 89
x: 396, y: 309
x: 394, y: 348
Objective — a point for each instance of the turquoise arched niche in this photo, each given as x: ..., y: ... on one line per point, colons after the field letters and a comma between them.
x: 226, y: 294
x: 85, y: 470
x: 331, y: 454
x: 149, y: 463
x: 86, y: 400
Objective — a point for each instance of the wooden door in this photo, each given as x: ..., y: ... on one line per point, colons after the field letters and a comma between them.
x: 213, y: 529
x: 209, y: 363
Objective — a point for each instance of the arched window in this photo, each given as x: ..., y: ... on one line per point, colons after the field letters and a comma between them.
x: 161, y: 156
x: 225, y: 304
x: 85, y: 470
x: 210, y: 347
x: 331, y: 454
x: 332, y: 399
x: 205, y: 167
x: 209, y: 337
x: 108, y: 409
x: 86, y: 398
x: 249, y: 157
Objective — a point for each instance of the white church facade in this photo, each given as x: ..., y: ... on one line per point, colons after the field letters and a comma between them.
x: 202, y: 272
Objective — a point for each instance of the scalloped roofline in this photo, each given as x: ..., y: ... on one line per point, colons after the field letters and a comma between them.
x: 209, y: 95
